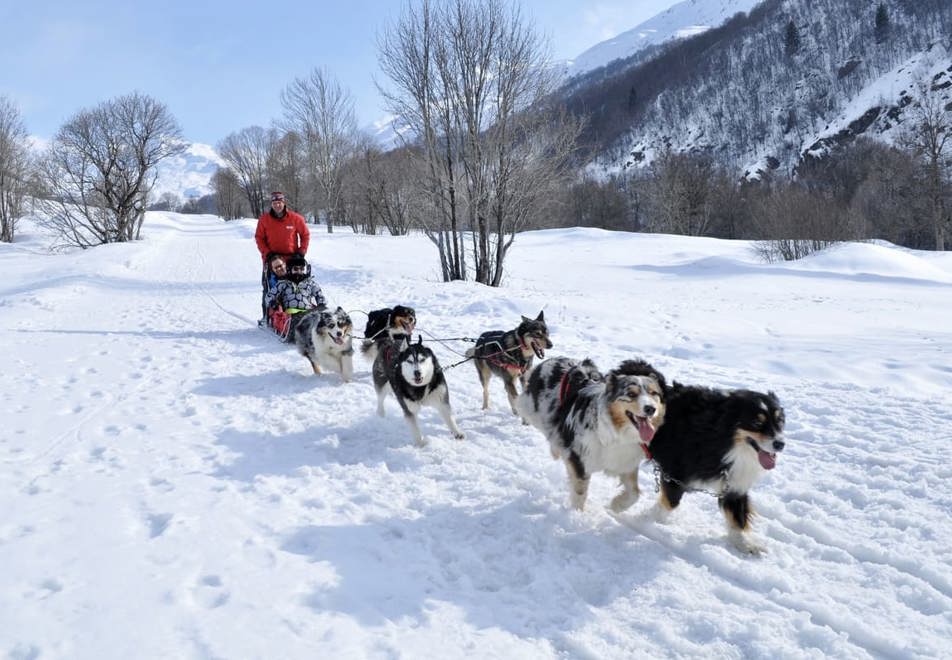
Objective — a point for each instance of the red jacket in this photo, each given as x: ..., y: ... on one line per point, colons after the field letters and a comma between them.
x: 287, y: 235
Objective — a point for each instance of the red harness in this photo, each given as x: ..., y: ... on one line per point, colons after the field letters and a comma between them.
x: 563, y: 387
x: 511, y: 364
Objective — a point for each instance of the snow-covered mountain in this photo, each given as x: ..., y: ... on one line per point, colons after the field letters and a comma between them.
x: 788, y: 79
x: 682, y: 20
x: 386, y: 132
x: 189, y: 174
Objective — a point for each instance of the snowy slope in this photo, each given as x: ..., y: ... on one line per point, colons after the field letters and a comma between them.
x: 681, y: 20
x: 176, y: 484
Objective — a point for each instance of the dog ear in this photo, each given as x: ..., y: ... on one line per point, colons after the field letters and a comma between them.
x: 525, y: 319
x: 541, y: 316
x: 419, y: 340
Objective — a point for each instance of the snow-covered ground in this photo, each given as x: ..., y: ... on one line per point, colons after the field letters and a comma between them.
x: 176, y: 484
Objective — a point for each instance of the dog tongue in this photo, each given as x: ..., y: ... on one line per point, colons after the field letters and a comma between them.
x: 767, y: 460
x: 645, y: 430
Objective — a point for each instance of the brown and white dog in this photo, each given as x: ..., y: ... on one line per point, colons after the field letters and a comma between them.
x: 508, y: 354
x: 391, y: 324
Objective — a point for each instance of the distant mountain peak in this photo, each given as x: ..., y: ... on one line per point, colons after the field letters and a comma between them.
x: 684, y: 19
x: 189, y: 174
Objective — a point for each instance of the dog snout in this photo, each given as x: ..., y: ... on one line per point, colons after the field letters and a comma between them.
x: 650, y: 410
x: 778, y: 445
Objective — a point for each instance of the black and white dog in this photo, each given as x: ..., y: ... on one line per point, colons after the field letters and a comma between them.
x: 389, y: 323
x: 508, y: 354
x: 324, y: 338
x: 722, y: 442
x: 413, y: 374
x: 596, y: 422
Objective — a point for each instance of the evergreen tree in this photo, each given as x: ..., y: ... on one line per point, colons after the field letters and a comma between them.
x: 632, y: 99
x: 791, y: 39
x: 881, y: 30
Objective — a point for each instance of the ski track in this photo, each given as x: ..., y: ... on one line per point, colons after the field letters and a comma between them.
x: 330, y: 505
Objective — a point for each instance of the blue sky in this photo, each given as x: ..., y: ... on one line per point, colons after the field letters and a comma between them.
x: 220, y: 66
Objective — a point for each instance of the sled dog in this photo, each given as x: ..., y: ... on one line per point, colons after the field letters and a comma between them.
x: 413, y: 374
x: 595, y: 422
x: 324, y: 338
x: 722, y: 442
x: 509, y: 355
x: 388, y: 323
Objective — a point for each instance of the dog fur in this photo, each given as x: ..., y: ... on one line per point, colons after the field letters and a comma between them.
x: 722, y: 442
x: 324, y: 337
x: 595, y: 422
x: 509, y: 355
x: 388, y: 323
x: 413, y: 374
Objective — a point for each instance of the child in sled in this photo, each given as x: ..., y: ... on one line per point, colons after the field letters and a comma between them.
x: 289, y: 298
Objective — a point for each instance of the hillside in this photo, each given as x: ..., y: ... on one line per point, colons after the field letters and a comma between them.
x: 761, y: 90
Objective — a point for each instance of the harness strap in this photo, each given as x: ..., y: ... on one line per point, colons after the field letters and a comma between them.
x: 511, y: 360
x: 563, y: 387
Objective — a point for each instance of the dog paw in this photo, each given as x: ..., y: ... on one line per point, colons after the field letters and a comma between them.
x: 747, y: 545
x: 459, y: 435
x: 661, y: 515
x: 623, y: 502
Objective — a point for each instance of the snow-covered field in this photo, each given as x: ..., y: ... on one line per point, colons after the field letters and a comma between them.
x: 176, y: 484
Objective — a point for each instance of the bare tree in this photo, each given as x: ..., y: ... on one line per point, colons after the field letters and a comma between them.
x: 380, y: 189
x: 101, y: 166
x: 287, y: 166
x: 407, y: 56
x: 247, y: 154
x: 794, y: 222
x: 680, y: 194
x: 927, y: 136
x: 322, y: 113
x: 14, y: 168
x: 228, y: 193
x: 469, y: 78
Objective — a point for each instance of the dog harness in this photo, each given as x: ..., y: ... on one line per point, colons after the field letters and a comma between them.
x: 511, y: 361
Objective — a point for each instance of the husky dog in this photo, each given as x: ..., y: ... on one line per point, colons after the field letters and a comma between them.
x: 387, y: 323
x: 324, y: 338
x: 595, y: 422
x: 509, y: 355
x: 719, y: 441
x: 414, y: 375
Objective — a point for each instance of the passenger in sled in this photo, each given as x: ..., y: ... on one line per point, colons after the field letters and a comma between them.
x: 290, y: 297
